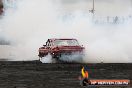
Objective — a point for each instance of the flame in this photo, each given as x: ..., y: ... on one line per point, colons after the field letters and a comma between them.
x: 84, y: 73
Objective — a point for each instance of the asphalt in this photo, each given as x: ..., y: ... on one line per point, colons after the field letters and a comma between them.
x: 34, y: 74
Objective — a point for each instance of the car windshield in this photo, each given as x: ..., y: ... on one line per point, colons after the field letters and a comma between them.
x: 66, y: 43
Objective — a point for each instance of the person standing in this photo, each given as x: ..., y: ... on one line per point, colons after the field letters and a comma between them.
x: 85, y: 77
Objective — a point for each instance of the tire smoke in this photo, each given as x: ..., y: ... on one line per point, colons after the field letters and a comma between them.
x: 74, y: 57
x: 47, y: 59
x: 30, y: 23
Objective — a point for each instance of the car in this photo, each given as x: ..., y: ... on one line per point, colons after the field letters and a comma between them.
x: 59, y: 48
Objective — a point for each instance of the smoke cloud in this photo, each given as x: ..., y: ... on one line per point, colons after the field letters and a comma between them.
x: 47, y: 59
x: 30, y: 23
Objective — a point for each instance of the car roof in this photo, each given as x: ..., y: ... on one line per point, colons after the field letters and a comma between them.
x: 53, y: 39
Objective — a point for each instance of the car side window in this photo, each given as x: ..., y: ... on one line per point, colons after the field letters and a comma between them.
x: 49, y: 44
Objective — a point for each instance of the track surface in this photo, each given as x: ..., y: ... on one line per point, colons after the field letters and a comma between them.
x: 34, y: 74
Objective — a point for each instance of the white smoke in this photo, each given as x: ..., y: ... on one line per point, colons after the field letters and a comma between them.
x: 47, y: 59
x: 74, y: 57
x: 30, y: 24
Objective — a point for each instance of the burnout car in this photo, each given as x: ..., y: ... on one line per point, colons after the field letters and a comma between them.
x: 60, y: 48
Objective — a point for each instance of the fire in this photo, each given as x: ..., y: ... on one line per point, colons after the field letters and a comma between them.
x: 84, y: 73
